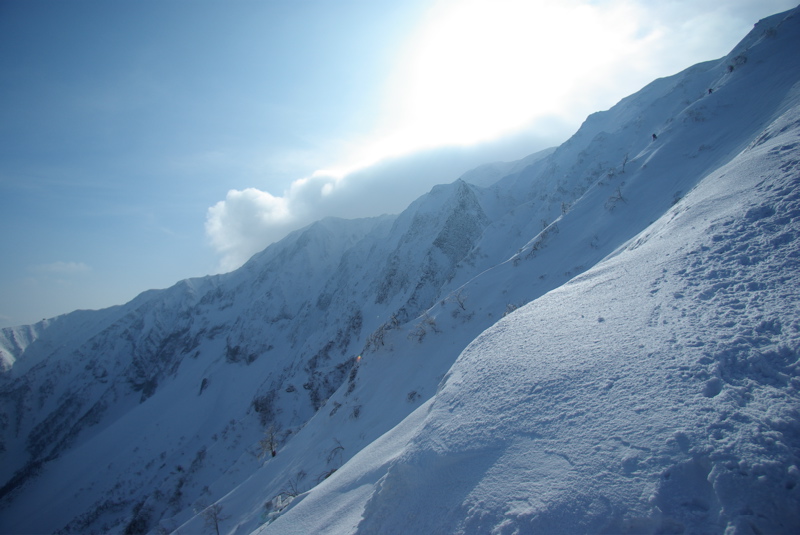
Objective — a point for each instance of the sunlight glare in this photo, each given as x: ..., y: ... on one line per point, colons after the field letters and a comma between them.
x: 478, y: 69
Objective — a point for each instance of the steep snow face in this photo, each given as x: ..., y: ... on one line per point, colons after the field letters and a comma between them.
x: 613, y: 162
x: 487, y: 174
x: 657, y: 392
x: 135, y: 418
x: 413, y: 278
x: 564, y: 389
x: 206, y: 367
x: 168, y: 392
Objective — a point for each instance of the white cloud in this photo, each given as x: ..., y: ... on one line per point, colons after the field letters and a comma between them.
x: 240, y: 225
x: 62, y: 268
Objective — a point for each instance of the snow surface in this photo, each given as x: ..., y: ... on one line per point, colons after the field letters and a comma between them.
x: 657, y: 392
x: 605, y: 339
x: 489, y: 173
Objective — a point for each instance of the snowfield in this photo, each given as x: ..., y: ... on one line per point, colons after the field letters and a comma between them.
x: 657, y: 392
x: 600, y: 338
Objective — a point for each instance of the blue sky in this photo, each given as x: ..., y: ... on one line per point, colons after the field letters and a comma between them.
x: 146, y: 142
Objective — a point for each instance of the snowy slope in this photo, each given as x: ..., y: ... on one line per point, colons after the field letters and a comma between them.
x: 487, y: 174
x: 657, y: 392
x: 140, y: 417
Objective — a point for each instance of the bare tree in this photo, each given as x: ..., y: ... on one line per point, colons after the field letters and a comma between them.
x: 461, y: 298
x: 269, y: 443
x: 617, y: 197
x: 293, y: 485
x: 336, y: 451
x: 212, y: 516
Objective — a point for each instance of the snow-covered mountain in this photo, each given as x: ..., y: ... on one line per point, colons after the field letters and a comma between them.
x: 601, y: 338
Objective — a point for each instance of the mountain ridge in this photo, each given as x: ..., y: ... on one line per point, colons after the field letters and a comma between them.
x: 313, y: 335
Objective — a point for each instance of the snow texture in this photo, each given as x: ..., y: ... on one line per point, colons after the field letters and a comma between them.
x: 600, y: 338
x: 657, y: 392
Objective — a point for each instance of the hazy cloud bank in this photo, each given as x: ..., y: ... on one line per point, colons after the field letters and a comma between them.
x: 248, y: 220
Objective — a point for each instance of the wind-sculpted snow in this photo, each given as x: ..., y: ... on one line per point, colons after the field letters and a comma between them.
x: 655, y: 393
x: 639, y: 371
